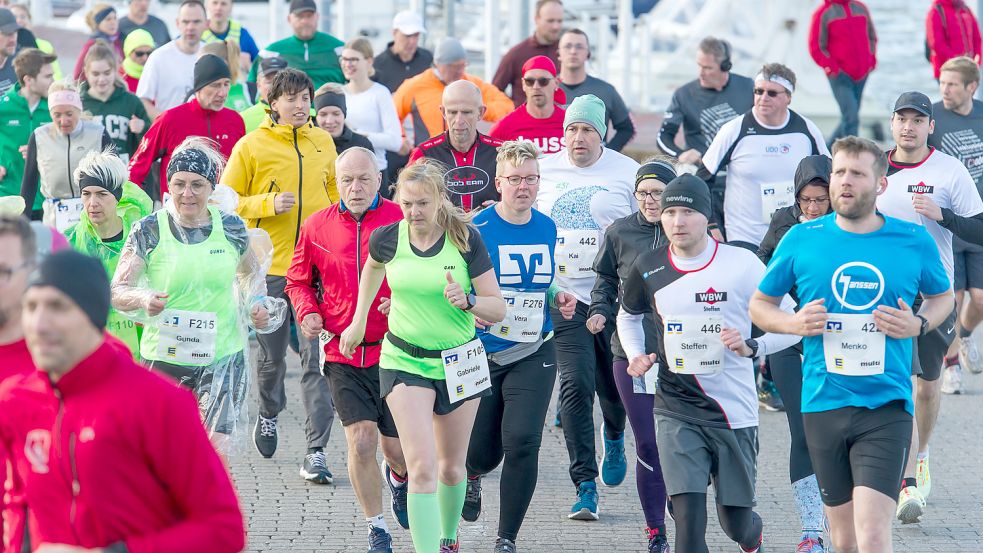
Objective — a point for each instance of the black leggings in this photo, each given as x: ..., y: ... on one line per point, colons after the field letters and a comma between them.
x: 509, y: 424
x: 741, y: 524
x: 786, y: 372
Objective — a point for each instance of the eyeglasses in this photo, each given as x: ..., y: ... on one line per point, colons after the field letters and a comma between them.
x: 516, y: 180
x: 141, y: 53
x: 541, y: 81
x: 642, y: 195
x: 7, y: 273
x: 813, y: 201
x: 770, y: 93
x: 349, y: 60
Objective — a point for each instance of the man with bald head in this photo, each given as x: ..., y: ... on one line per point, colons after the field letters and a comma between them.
x: 335, y: 242
x: 470, y: 154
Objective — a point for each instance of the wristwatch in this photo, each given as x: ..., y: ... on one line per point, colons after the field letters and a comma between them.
x: 924, y: 328
x: 753, y: 344
x: 472, y: 299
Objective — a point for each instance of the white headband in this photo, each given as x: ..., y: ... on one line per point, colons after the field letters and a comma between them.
x: 777, y: 80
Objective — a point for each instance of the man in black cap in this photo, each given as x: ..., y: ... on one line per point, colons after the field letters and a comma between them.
x: 307, y: 49
x: 8, y: 48
x: 932, y: 189
x: 706, y: 403
x: 269, y: 65
x: 204, y: 115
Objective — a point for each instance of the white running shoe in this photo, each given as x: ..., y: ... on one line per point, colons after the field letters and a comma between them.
x: 952, y: 380
x: 970, y: 355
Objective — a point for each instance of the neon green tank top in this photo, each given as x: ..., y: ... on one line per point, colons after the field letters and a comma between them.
x: 198, y: 278
x: 420, y: 314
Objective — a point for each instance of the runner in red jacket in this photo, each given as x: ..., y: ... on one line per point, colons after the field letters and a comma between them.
x: 334, y: 242
x: 842, y: 41
x: 951, y: 30
x: 111, y: 456
x: 204, y: 115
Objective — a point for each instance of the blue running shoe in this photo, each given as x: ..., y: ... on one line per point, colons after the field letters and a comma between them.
x: 556, y: 421
x: 614, y: 466
x: 380, y: 541
x: 586, y: 506
x: 399, y: 496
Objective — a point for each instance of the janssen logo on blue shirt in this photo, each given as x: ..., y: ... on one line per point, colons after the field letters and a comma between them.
x: 857, y: 285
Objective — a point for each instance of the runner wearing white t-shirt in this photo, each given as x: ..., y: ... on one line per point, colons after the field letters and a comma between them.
x: 584, y: 188
x: 168, y: 76
x: 932, y: 189
x: 761, y: 151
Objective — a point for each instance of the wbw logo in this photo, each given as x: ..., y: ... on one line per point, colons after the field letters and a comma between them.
x: 527, y: 263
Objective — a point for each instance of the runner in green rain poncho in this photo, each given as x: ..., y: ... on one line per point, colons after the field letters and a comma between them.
x: 112, y: 205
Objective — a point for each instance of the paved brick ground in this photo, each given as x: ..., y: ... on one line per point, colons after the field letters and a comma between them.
x: 286, y: 514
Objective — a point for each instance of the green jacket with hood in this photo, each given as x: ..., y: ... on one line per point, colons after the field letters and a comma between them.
x: 18, y: 122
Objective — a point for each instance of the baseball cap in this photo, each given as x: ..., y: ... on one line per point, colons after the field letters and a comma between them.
x: 8, y: 22
x: 408, y: 22
x: 914, y: 100
x: 272, y: 64
x: 297, y: 6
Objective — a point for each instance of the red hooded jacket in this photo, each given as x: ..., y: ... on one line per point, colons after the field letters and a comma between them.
x: 15, y: 361
x: 113, y: 454
x: 337, y: 245
x: 224, y: 126
x: 842, y: 38
x: 951, y: 30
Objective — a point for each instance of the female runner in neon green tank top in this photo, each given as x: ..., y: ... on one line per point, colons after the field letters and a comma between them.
x: 433, y: 370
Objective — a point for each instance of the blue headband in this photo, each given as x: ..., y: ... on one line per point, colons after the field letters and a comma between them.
x: 194, y: 161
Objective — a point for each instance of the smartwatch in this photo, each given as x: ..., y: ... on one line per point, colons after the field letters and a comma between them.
x: 924, y: 327
x: 472, y: 300
x: 753, y: 344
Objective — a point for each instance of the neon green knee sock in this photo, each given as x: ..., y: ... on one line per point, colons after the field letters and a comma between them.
x: 451, y: 500
x: 424, y: 514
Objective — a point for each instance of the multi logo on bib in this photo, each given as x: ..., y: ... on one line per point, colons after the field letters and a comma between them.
x: 466, y: 180
x: 852, y: 343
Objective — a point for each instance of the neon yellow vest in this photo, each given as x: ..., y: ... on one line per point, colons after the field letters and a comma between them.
x: 235, y: 31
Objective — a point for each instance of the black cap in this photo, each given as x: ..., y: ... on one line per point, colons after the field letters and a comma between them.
x: 916, y: 101
x: 688, y: 191
x: 81, y: 278
x: 272, y: 64
x: 297, y: 6
x: 812, y: 168
x: 208, y: 69
x: 8, y: 22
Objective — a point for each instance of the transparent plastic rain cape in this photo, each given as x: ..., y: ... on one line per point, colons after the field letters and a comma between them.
x: 198, y: 285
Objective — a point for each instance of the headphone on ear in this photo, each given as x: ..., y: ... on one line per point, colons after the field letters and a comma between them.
x: 725, y: 64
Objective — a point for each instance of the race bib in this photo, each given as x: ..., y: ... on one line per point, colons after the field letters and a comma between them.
x: 523, y: 320
x: 575, y: 253
x: 693, y: 344
x: 322, y: 340
x: 68, y: 212
x: 775, y: 196
x: 853, y: 346
x: 647, y: 383
x: 465, y: 370
x: 187, y: 337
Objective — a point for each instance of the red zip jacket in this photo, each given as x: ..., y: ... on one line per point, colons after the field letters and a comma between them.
x: 337, y: 245
x: 224, y: 126
x: 842, y: 38
x: 951, y: 30
x: 15, y: 361
x: 115, y: 455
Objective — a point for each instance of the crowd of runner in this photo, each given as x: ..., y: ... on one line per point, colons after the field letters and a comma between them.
x: 191, y: 209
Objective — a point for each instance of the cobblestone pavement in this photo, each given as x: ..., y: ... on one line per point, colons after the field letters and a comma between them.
x: 286, y: 514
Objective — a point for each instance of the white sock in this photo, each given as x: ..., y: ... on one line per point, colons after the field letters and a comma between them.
x: 923, y: 456
x: 377, y: 521
x: 395, y: 483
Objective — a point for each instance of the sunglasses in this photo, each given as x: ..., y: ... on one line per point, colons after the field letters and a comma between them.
x: 141, y: 53
x: 541, y: 81
x: 770, y: 93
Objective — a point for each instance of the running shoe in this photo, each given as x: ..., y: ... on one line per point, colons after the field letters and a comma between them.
x: 586, y: 506
x: 768, y: 396
x: 556, y: 420
x: 911, y: 505
x: 756, y: 549
x: 614, y: 466
x: 503, y: 545
x: 315, y: 469
x: 970, y: 355
x: 923, y: 478
x: 398, y: 493
x: 448, y: 546
x: 472, y: 500
x: 658, y: 543
x: 811, y: 543
x: 952, y: 380
x: 380, y: 541
x: 265, y: 436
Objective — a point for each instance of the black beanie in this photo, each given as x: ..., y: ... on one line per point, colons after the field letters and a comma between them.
x: 326, y: 99
x: 79, y: 277
x: 687, y: 191
x: 208, y: 69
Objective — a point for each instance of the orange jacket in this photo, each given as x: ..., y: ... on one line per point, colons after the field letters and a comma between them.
x: 420, y: 97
